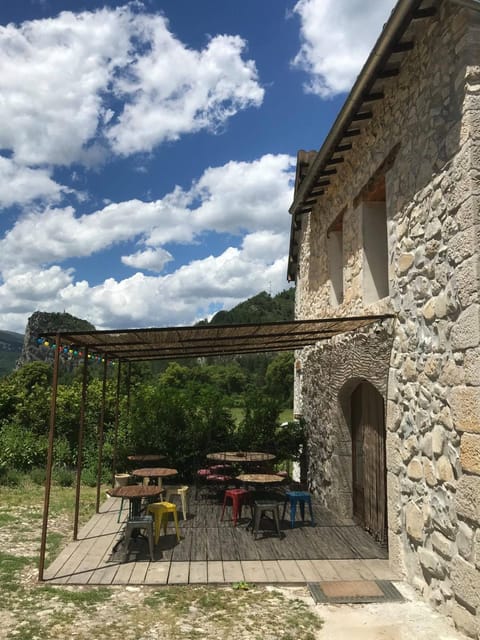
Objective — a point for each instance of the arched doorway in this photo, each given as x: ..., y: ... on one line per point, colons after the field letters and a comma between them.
x: 369, y: 475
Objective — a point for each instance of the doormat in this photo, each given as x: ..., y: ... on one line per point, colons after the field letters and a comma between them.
x: 354, y: 591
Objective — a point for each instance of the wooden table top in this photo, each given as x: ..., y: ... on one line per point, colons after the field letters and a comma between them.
x: 240, y: 456
x: 260, y: 478
x: 154, y: 472
x: 146, y: 457
x: 133, y: 491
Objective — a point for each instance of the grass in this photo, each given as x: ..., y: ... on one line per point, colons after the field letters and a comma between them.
x: 30, y: 611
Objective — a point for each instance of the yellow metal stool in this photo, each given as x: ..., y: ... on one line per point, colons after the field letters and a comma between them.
x: 160, y: 511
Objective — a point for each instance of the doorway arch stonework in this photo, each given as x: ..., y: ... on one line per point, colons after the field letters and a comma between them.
x: 331, y: 373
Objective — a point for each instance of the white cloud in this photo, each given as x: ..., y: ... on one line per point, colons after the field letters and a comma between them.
x: 20, y: 185
x: 173, y: 299
x: 150, y: 259
x: 58, y: 77
x: 244, y: 199
x: 206, y: 89
x: 235, y: 198
x: 337, y: 36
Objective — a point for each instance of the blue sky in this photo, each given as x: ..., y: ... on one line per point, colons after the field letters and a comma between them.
x: 147, y: 149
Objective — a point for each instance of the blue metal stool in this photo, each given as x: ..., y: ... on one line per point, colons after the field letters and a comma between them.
x: 298, y: 497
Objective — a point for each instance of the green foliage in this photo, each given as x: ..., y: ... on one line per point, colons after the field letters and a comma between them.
x: 182, y: 409
x: 21, y: 448
x: 11, y: 477
x: 187, y: 421
x: 64, y: 477
x: 257, y: 431
x: 260, y: 308
x: 279, y: 377
x: 38, y: 475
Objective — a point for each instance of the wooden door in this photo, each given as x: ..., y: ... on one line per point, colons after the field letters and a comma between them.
x: 368, y: 460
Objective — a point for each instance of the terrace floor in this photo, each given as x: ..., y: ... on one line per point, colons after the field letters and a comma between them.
x: 212, y: 551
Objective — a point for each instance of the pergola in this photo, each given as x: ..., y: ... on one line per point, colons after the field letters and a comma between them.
x: 133, y: 345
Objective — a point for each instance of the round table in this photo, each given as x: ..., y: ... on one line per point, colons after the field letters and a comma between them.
x: 146, y: 457
x: 260, y: 478
x: 240, y: 457
x: 155, y: 474
x: 134, y: 493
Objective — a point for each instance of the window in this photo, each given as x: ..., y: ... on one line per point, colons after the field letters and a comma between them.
x: 375, y: 251
x: 335, y: 260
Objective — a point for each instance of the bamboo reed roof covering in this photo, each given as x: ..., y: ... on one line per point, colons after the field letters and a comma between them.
x: 211, y: 340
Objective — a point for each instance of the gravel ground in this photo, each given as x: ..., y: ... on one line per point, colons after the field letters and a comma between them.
x: 29, y: 611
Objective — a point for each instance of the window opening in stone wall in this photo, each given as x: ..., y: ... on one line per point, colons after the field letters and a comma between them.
x: 335, y: 260
x: 375, y: 242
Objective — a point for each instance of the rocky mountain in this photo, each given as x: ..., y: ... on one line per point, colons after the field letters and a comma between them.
x: 40, y: 323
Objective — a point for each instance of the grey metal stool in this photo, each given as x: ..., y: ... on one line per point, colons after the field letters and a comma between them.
x: 262, y: 507
x: 133, y: 524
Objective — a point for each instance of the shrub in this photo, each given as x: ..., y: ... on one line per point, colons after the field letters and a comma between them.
x: 64, y: 477
x: 38, y: 475
x: 21, y: 448
x: 11, y: 478
x: 89, y: 477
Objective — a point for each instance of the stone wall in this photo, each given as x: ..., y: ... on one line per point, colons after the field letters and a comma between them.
x: 432, y: 112
x: 330, y: 375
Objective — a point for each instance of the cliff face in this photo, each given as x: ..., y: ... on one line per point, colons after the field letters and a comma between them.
x: 40, y: 323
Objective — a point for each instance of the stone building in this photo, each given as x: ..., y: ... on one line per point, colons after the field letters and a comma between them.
x: 386, y: 220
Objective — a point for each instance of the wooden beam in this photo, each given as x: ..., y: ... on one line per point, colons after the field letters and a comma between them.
x: 373, y: 96
x: 401, y: 47
x: 363, y: 115
x: 428, y: 12
x: 388, y: 73
x: 327, y: 172
x: 351, y: 132
x: 335, y: 161
x: 320, y: 183
x: 343, y: 147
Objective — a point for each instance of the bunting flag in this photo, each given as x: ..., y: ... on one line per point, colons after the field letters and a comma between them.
x: 72, y: 352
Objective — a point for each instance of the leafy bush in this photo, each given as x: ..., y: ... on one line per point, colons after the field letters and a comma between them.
x: 38, y: 475
x: 11, y: 478
x: 64, y: 477
x: 20, y: 448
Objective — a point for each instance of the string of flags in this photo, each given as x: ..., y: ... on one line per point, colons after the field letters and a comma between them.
x: 71, y: 352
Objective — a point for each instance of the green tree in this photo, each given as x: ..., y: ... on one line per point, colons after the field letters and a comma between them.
x: 279, y: 377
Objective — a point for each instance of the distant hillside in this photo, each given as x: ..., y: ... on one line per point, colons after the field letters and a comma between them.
x: 16, y: 349
x: 260, y: 308
x: 10, y: 349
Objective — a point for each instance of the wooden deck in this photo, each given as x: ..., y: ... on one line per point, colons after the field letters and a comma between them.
x: 212, y: 551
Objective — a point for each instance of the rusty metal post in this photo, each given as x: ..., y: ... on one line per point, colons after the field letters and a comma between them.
x: 100, y: 435
x: 48, y: 478
x: 81, y: 432
x: 117, y: 412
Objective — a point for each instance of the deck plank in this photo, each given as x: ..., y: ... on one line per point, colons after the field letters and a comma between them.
x: 215, y: 572
x: 254, y: 571
x: 273, y: 571
x: 291, y: 571
x: 232, y: 571
x: 198, y: 572
x: 157, y: 573
x: 212, y: 551
x: 326, y: 569
x: 179, y: 572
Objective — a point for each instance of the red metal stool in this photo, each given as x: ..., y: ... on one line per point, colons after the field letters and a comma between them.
x: 238, y: 498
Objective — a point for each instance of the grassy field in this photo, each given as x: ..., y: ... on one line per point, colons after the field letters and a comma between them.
x: 31, y: 611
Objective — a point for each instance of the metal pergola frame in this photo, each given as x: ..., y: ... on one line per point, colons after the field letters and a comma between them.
x: 171, y: 343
